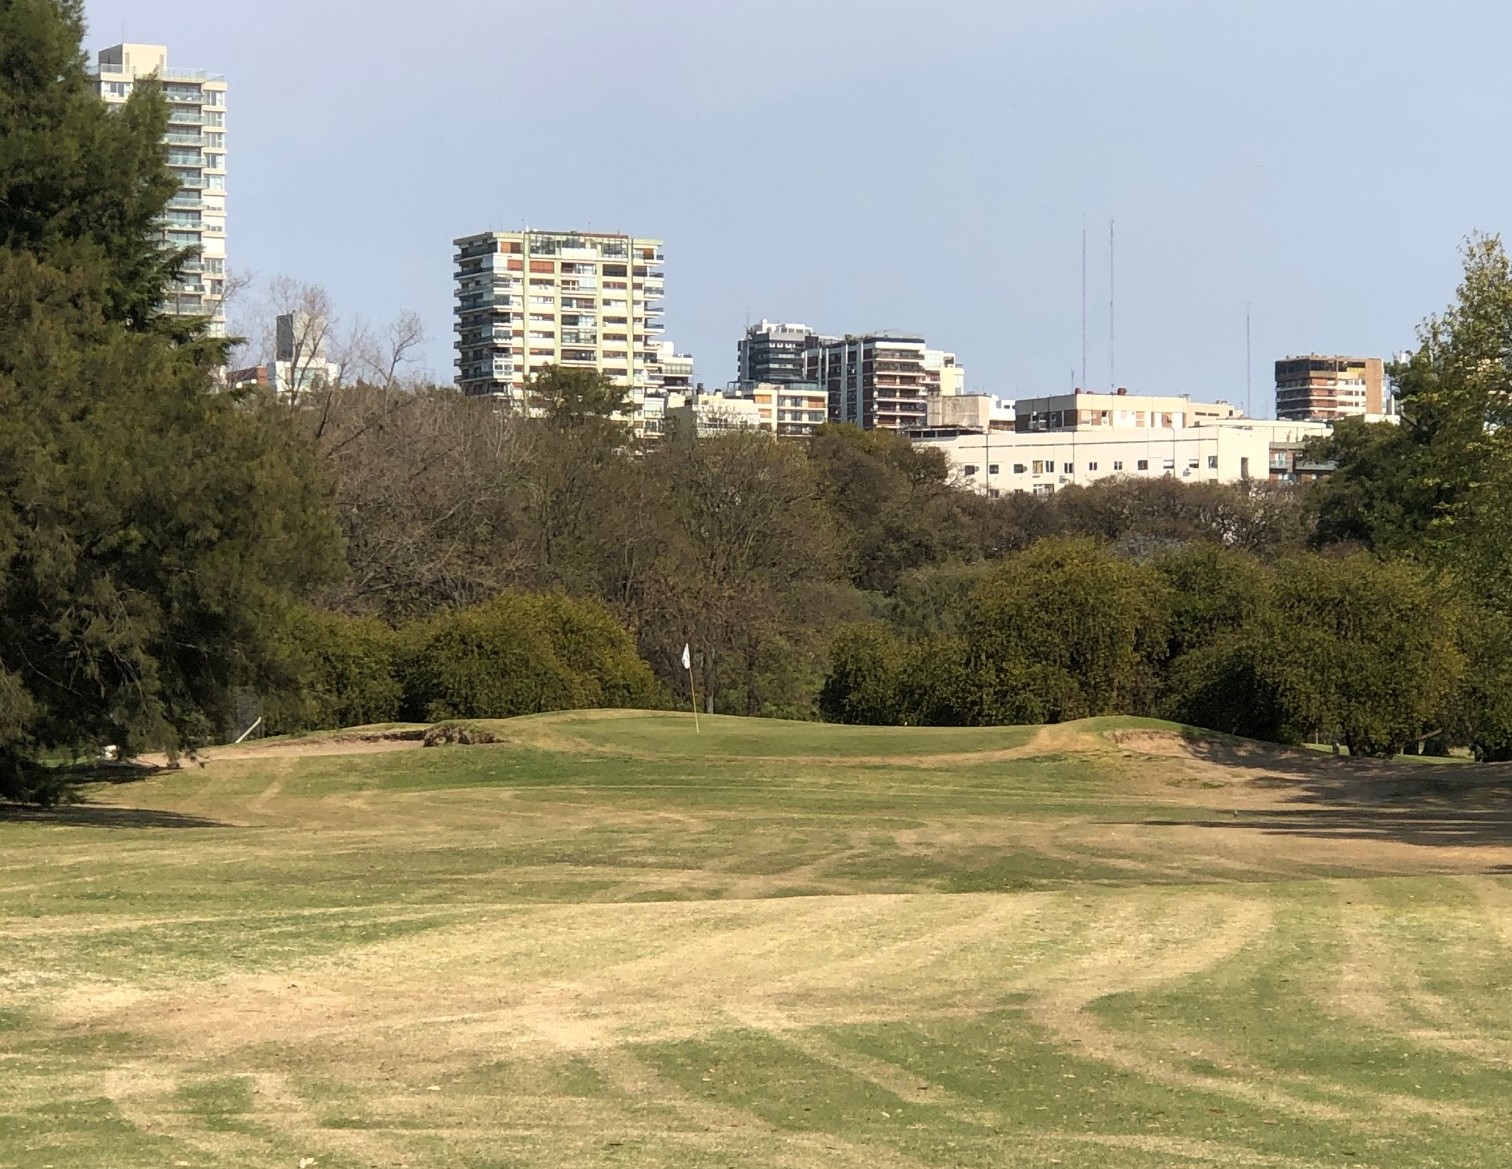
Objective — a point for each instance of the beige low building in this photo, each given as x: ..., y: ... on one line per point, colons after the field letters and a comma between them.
x: 1042, y: 462
x: 788, y: 409
x: 1117, y: 411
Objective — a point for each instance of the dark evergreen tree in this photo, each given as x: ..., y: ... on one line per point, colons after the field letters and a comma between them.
x: 153, y: 529
x: 82, y: 183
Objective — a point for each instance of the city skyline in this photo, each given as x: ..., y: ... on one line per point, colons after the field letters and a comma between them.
x: 1242, y: 162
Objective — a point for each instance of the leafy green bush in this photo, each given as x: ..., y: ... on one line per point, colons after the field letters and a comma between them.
x: 522, y: 654
x: 1065, y: 630
x: 1354, y: 646
x: 345, y: 674
x: 1482, y: 715
x: 866, y: 673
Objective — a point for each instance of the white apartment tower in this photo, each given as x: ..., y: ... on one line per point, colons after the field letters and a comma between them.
x: 196, y: 148
x: 585, y: 300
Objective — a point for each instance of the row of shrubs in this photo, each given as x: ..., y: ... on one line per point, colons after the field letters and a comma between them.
x: 520, y: 653
x: 1384, y: 656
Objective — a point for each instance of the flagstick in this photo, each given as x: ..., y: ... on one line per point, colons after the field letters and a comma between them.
x: 693, y: 695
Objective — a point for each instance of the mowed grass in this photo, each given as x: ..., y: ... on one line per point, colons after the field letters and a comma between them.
x: 609, y: 940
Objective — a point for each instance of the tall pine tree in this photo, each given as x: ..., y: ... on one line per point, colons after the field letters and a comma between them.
x: 153, y: 529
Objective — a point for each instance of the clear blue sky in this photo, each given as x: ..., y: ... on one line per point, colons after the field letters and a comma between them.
x: 869, y: 164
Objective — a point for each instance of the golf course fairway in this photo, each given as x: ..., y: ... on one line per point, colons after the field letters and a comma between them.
x: 608, y: 940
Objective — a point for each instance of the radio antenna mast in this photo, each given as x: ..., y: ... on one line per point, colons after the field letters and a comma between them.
x: 1112, y: 309
x: 1249, y: 363
x: 1084, y: 304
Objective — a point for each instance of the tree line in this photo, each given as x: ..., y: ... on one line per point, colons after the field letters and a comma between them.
x: 375, y: 551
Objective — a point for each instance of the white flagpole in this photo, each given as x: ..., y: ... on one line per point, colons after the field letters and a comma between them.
x: 692, y: 689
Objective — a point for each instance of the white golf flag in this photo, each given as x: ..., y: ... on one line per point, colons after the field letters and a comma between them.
x: 687, y: 656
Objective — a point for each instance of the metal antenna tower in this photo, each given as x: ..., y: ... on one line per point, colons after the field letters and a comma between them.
x: 1249, y: 363
x: 1084, y: 304
x: 1112, y: 309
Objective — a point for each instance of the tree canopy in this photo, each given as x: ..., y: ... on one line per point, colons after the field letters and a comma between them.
x: 153, y: 529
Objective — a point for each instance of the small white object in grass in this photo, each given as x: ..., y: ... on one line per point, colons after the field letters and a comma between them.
x: 306, y: 1162
x: 433, y: 1088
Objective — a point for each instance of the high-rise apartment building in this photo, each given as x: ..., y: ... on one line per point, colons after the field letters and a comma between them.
x: 773, y: 353
x: 1322, y: 389
x: 581, y: 300
x: 879, y: 381
x: 196, y: 148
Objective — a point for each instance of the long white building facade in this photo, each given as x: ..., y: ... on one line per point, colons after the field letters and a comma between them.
x: 196, y: 148
x: 1076, y: 439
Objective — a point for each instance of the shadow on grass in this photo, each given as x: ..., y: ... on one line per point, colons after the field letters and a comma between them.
x: 1339, y: 798
x: 101, y: 816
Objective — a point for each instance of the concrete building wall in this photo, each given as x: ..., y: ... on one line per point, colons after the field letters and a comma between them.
x: 970, y: 412
x: 1044, y: 462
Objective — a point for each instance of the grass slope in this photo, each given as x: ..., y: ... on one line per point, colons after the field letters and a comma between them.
x: 610, y: 941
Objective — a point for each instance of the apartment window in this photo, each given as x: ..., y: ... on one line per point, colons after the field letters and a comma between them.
x: 969, y: 469
x: 1169, y: 465
x: 1212, y: 462
x: 546, y: 317
x: 543, y: 300
x: 1091, y: 466
x: 1142, y: 465
x: 1039, y: 466
x: 542, y: 265
x: 118, y: 88
x: 1192, y: 466
x: 215, y: 97
x: 992, y: 469
x: 543, y: 353
x: 1118, y: 464
x: 615, y: 270
x: 215, y: 161
x: 1068, y: 468
x: 537, y: 282
x: 1019, y: 468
